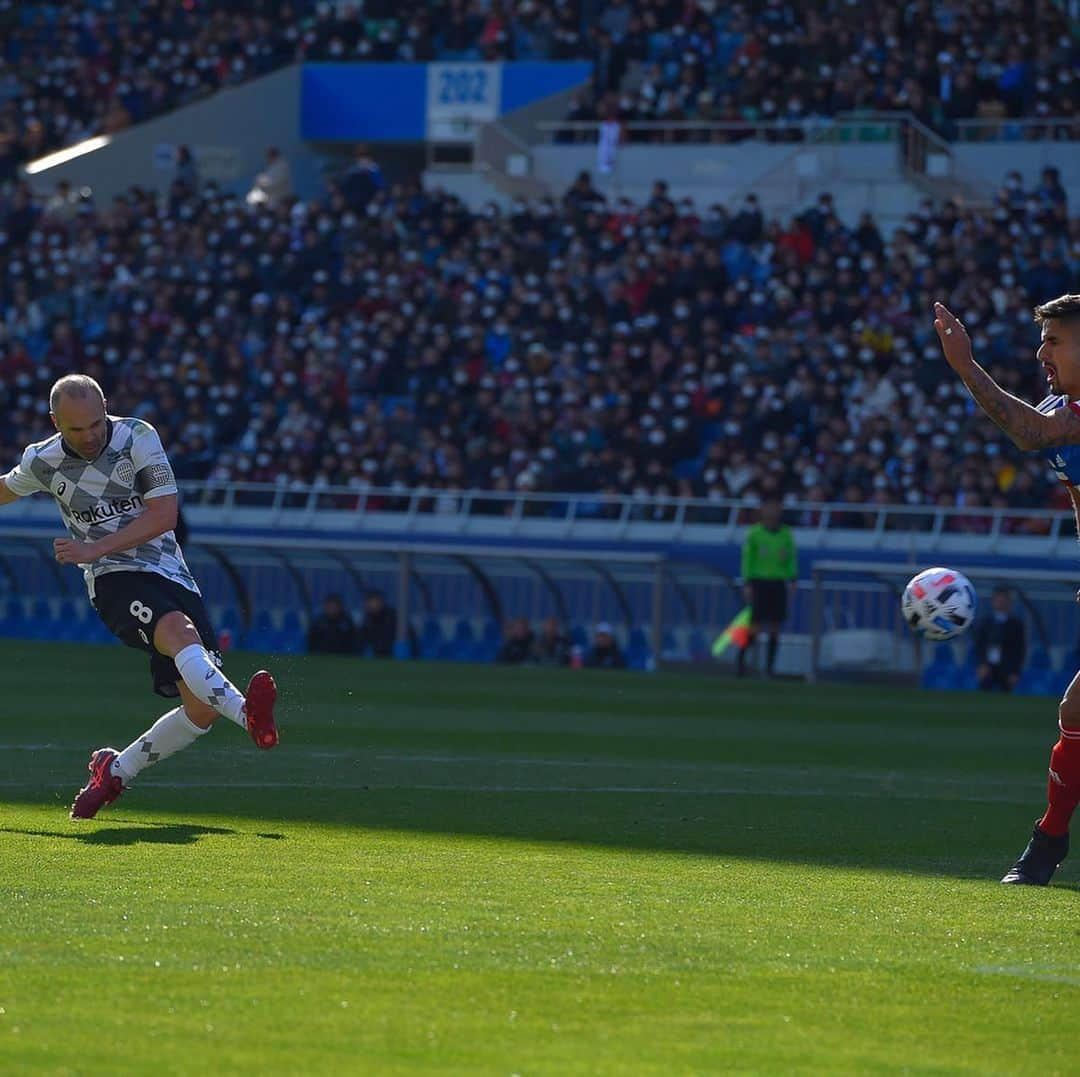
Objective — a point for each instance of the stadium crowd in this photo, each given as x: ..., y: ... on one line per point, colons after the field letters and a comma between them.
x: 801, y: 62
x: 72, y: 70
x: 389, y: 337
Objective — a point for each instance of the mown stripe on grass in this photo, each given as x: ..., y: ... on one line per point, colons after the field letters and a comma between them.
x: 374, y: 784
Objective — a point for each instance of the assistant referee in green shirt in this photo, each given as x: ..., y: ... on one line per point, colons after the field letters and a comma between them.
x: 769, y: 568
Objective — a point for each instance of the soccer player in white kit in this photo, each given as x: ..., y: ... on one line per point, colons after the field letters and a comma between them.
x: 114, y: 487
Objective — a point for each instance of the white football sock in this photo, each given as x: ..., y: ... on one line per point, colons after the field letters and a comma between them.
x: 209, y: 684
x: 170, y: 733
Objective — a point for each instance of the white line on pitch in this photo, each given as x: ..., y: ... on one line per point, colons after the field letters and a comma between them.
x: 843, y: 774
x: 1044, y: 975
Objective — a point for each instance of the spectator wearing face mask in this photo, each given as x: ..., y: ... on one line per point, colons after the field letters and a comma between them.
x: 605, y: 349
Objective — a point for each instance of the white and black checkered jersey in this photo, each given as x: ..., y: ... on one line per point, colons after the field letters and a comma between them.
x: 96, y: 498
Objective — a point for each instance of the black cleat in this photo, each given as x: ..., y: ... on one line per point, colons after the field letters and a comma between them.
x: 1039, y: 860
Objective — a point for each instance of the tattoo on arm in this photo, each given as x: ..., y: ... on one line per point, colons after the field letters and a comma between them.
x: 1074, y: 497
x: 1025, y: 425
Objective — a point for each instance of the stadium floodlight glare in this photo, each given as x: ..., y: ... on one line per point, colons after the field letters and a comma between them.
x: 69, y: 153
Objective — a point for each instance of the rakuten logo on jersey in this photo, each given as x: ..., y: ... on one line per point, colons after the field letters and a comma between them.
x: 107, y: 510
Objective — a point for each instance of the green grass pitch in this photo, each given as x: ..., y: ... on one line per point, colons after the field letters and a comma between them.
x: 471, y: 870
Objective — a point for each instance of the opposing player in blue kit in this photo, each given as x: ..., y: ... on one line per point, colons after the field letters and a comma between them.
x: 111, y: 480
x: 1053, y: 429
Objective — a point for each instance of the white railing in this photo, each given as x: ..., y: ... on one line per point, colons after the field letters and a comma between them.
x: 419, y: 507
x: 433, y: 514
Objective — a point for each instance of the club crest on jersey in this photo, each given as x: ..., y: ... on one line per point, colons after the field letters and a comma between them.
x: 125, y: 472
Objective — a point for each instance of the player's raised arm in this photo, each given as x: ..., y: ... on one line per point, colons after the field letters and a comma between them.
x: 1028, y: 427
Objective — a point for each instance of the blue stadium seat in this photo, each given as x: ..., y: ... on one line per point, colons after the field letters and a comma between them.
x: 1039, y: 659
x: 967, y: 679
x: 431, y: 638
x: 230, y: 622
x: 71, y: 623
x: 1038, y: 677
x: 698, y: 644
x: 942, y: 673
x: 1035, y: 682
x: 638, y: 651
x: 461, y: 647
x: 41, y: 624
x: 263, y: 635
x: 11, y: 617
x: 97, y: 632
x: 291, y: 643
x: 936, y: 678
x: 293, y: 637
x: 478, y: 651
x: 1060, y: 680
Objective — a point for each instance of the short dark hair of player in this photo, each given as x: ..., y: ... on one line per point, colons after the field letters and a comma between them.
x: 1065, y: 307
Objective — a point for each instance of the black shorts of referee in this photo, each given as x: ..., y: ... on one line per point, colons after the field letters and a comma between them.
x: 768, y: 601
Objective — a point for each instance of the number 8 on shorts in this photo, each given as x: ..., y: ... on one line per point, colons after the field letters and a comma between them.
x: 143, y: 613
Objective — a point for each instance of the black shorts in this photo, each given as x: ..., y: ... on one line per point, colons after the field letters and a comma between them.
x: 131, y: 603
x: 768, y: 603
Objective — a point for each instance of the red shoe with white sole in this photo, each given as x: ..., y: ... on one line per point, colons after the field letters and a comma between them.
x: 259, y: 709
x: 102, y: 788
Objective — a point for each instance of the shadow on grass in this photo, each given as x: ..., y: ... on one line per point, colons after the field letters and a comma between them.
x: 130, y: 834
x: 940, y: 837
x: 513, y: 750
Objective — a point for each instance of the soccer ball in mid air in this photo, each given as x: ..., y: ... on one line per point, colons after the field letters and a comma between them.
x: 939, y: 603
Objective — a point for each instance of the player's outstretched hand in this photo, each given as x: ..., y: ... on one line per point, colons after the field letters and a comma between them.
x: 955, y: 342
x: 70, y: 552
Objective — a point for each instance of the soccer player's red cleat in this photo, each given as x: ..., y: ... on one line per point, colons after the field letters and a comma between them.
x: 259, y: 709
x: 102, y: 788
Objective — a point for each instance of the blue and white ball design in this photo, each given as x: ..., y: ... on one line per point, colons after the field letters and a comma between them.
x: 939, y: 604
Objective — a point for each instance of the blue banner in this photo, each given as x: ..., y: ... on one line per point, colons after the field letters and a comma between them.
x: 362, y: 102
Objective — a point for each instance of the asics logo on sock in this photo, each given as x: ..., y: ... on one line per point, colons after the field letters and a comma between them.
x: 1056, y: 778
x: 210, y: 673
